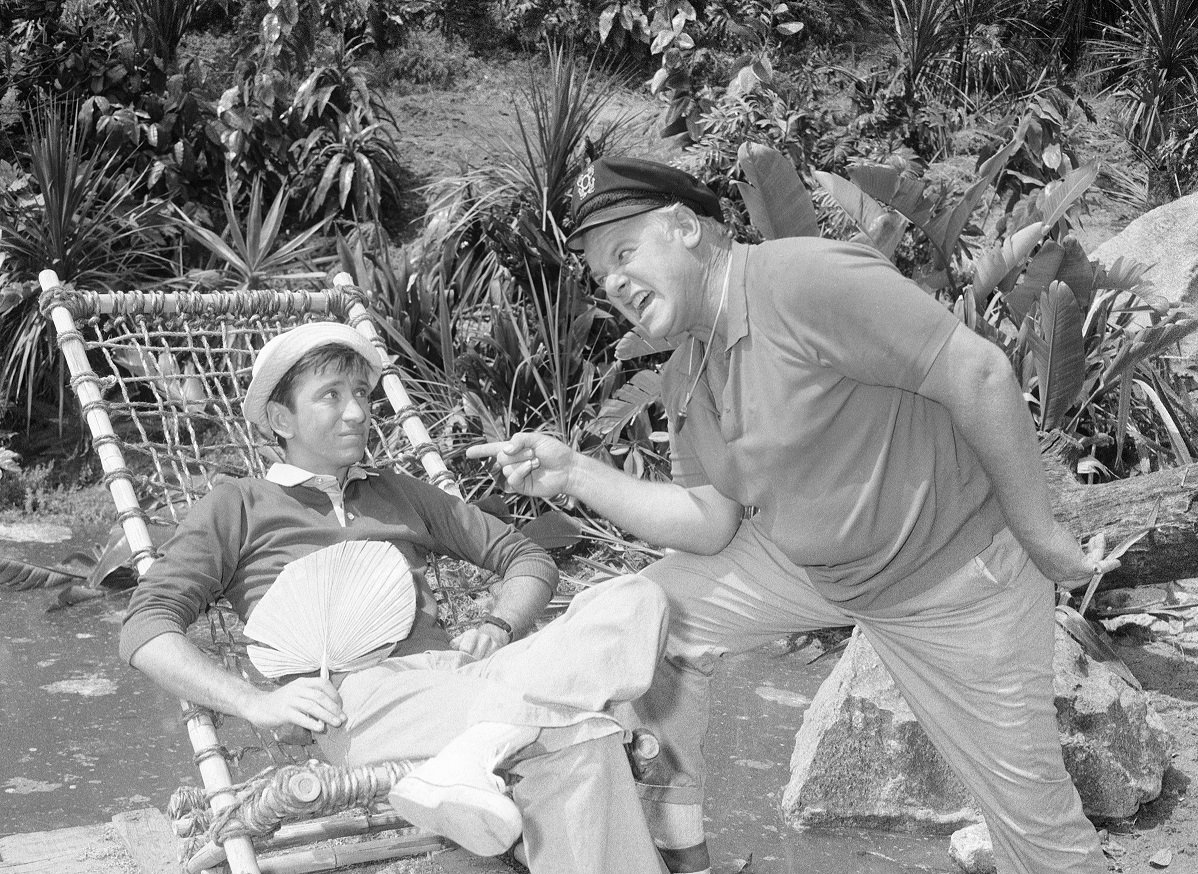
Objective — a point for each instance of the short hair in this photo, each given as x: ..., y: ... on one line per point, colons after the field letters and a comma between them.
x: 712, y: 228
x: 336, y: 355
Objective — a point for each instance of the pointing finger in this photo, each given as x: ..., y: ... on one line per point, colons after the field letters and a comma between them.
x: 489, y: 450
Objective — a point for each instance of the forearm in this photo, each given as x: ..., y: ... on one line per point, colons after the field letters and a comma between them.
x: 699, y: 520
x: 175, y: 664
x: 520, y: 601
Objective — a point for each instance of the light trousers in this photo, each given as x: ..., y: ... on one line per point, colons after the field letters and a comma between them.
x: 573, y: 679
x: 972, y: 655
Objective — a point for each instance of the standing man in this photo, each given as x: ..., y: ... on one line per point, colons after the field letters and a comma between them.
x: 843, y: 451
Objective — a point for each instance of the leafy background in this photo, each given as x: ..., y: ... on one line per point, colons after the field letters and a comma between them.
x: 232, y: 144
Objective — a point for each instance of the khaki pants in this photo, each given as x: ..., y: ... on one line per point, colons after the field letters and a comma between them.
x: 972, y: 656
x: 573, y: 679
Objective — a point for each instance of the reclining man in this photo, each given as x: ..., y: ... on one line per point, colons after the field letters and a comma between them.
x: 547, y: 706
x: 843, y: 451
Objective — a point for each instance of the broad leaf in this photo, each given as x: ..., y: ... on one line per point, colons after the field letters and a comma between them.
x: 889, y: 186
x: 1125, y: 274
x: 632, y: 398
x: 883, y: 228
x: 778, y: 196
x: 633, y: 345
x: 1061, y: 366
x: 1062, y: 193
x: 1041, y: 272
x: 1148, y: 343
x: 20, y: 575
x: 1003, y: 263
x: 553, y: 530
x: 1077, y: 272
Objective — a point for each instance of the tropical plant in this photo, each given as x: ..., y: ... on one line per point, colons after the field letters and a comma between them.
x: 75, y: 213
x: 257, y: 253
x: 1151, y: 58
x: 158, y: 26
x: 1084, y: 339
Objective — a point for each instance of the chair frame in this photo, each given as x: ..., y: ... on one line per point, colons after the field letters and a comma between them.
x: 67, y: 309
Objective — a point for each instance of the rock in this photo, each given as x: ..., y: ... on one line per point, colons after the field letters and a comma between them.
x: 1161, y: 858
x: 1115, y: 745
x: 971, y: 851
x: 861, y: 759
x: 1165, y: 240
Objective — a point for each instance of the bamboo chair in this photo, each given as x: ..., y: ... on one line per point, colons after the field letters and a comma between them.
x: 177, y: 365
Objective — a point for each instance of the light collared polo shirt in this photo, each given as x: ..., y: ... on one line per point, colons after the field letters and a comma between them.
x: 854, y: 476
x: 289, y: 476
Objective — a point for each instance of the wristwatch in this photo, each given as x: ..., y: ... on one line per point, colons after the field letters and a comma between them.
x: 502, y: 624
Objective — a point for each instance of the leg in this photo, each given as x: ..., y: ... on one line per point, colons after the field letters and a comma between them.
x: 973, y: 657
x: 747, y: 595
x: 601, y: 652
x: 581, y: 812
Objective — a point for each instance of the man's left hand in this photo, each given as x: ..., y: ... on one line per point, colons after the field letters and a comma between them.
x: 1062, y: 560
x: 480, y: 642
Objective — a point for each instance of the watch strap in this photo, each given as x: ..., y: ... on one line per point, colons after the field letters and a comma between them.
x: 501, y: 624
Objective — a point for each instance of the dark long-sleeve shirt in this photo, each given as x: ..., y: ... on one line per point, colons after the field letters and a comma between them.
x: 236, y: 540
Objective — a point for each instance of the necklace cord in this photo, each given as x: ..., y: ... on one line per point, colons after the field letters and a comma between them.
x: 686, y: 401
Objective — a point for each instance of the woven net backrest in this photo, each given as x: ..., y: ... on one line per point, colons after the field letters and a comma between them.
x: 172, y: 370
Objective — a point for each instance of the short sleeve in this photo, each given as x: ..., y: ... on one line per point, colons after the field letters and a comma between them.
x: 854, y: 313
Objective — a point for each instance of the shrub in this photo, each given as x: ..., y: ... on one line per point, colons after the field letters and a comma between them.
x: 76, y: 213
x: 426, y: 58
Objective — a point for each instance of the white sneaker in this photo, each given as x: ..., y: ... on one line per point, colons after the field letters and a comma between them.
x: 460, y: 800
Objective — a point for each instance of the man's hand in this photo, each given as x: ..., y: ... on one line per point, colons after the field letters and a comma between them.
x: 309, y: 702
x: 1061, y: 559
x: 480, y: 642
x: 531, y: 464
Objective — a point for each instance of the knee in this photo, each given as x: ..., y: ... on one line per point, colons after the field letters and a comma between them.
x: 639, y: 595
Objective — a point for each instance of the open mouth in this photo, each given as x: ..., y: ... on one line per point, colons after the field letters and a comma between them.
x: 640, y: 301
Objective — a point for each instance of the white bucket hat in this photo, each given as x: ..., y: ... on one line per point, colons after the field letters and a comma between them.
x: 282, y: 352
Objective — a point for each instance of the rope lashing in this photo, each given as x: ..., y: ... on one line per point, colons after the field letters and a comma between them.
x: 292, y: 792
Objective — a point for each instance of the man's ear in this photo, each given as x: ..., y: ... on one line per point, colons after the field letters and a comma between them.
x: 281, y: 419
x: 690, y: 229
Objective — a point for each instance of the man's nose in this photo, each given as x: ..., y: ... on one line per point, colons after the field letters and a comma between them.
x: 356, y: 410
x: 615, y: 286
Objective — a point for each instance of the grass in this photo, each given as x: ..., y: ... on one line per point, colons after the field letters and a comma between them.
x: 56, y: 492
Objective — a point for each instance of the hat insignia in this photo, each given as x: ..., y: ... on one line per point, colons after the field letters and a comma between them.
x: 586, y: 182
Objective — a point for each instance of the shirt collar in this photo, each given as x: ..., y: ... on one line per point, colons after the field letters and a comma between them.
x: 288, y: 475
x: 736, y: 325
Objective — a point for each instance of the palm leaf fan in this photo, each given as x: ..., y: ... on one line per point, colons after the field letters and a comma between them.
x: 333, y: 610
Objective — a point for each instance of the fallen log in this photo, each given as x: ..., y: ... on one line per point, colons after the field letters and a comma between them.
x: 1164, y: 502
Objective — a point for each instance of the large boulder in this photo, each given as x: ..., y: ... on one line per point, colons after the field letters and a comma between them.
x: 861, y: 759
x: 1116, y: 746
x: 1165, y: 240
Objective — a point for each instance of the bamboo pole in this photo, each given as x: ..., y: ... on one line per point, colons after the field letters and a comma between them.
x: 327, y: 858
x: 309, y: 832
x: 214, y: 770
x: 169, y: 303
x: 413, y: 427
